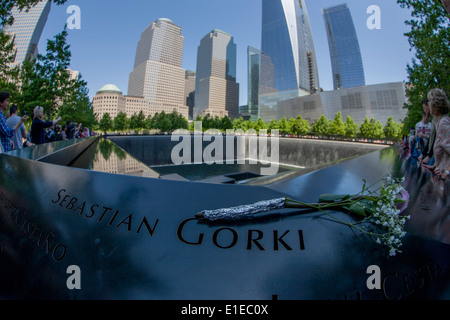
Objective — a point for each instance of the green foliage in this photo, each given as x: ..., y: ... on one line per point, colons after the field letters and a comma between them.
x: 321, y: 126
x: 392, y: 129
x: 106, y: 123
x: 47, y: 83
x: 350, y: 128
x: 7, y: 56
x: 300, y: 126
x: 273, y: 124
x: 238, y: 123
x: 337, y: 127
x: 372, y: 129
x: 429, y: 38
x: 120, y: 123
x: 283, y: 126
x: 260, y: 124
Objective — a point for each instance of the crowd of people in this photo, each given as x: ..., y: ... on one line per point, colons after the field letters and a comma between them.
x: 14, y: 135
x: 429, y: 142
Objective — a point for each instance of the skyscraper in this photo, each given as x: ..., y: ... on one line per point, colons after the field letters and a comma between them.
x: 158, y: 76
x: 290, y: 57
x: 254, y: 67
x: 287, y: 40
x: 27, y: 29
x: 216, y: 90
x: 346, y: 61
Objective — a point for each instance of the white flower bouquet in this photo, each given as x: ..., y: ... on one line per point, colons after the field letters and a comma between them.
x: 381, y: 207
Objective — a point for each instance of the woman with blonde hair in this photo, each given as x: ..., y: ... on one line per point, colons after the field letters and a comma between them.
x: 440, y: 107
x: 38, y: 126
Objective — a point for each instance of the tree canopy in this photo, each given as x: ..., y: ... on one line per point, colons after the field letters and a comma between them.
x: 429, y: 38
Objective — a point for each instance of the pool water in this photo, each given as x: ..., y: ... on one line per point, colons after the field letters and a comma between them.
x: 106, y: 156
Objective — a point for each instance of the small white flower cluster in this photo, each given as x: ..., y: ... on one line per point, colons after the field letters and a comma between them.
x: 387, y: 215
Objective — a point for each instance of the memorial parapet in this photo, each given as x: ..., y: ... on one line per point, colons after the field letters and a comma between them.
x: 130, y: 237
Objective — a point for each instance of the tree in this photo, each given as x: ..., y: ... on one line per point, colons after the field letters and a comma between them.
x: 300, y: 126
x: 350, y: 128
x: 337, y: 125
x: 177, y: 121
x: 377, y: 129
x: 76, y: 105
x: 364, y: 128
x: 46, y: 82
x: 392, y: 129
x: 105, y: 124
x: 248, y: 124
x: 273, y: 124
x: 238, y: 123
x: 283, y: 126
x: 162, y: 122
x: 372, y: 129
x: 140, y: 121
x: 429, y: 37
x: 260, y: 124
x: 133, y: 122
x: 8, y: 74
x: 321, y: 126
x: 225, y: 123
x: 150, y: 122
x: 120, y: 122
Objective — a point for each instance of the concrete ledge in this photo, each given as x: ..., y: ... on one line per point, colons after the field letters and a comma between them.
x: 58, y: 152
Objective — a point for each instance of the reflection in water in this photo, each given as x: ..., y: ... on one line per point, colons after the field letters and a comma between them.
x: 106, y: 156
x: 429, y: 204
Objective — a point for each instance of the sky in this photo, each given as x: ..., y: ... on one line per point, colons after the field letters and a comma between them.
x: 104, y: 48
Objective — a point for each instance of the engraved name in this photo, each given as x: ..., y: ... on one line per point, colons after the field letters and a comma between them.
x: 112, y: 217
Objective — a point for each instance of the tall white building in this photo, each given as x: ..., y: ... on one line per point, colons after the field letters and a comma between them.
x: 158, y: 76
x: 27, y: 29
x: 216, y: 90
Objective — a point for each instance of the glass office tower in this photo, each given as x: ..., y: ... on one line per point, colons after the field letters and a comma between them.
x: 254, y: 70
x: 288, y: 45
x: 346, y: 61
x: 287, y: 39
x: 27, y: 29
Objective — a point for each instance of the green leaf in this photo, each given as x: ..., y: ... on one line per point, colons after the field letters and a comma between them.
x: 329, y: 197
x: 358, y: 209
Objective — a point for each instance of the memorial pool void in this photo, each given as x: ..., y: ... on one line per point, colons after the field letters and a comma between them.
x: 151, y: 156
x: 134, y: 234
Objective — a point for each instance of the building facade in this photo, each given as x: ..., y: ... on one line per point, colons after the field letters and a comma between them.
x: 379, y: 101
x: 254, y: 74
x: 110, y: 99
x: 189, y: 91
x: 216, y: 89
x: 158, y: 76
x: 288, y: 45
x: 27, y: 30
x: 346, y: 61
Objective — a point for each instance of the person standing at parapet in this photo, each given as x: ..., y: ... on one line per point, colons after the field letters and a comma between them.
x: 6, y: 133
x: 12, y: 121
x: 440, y: 107
x: 38, y: 126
